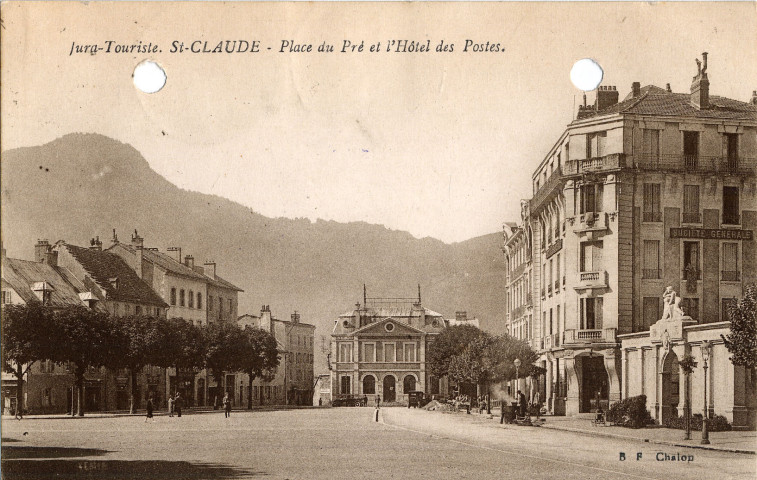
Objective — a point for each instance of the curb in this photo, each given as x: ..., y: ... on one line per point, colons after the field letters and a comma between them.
x: 647, y: 440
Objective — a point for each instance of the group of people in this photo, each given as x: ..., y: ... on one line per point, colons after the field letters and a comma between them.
x: 175, y: 403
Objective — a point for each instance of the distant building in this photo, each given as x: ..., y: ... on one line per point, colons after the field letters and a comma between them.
x: 657, y: 189
x: 122, y: 292
x: 379, y: 348
x: 192, y: 292
x: 462, y: 318
x: 293, y: 384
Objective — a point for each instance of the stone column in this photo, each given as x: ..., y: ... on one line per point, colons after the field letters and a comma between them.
x: 574, y: 384
x: 549, y: 393
x: 422, y: 360
x: 356, y: 366
x: 612, y: 365
x: 657, y: 413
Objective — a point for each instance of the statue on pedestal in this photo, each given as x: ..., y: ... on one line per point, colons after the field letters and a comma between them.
x: 671, y: 305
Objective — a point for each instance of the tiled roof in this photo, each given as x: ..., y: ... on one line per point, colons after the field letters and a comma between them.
x: 170, y: 264
x: 22, y: 274
x: 104, y: 266
x: 654, y: 100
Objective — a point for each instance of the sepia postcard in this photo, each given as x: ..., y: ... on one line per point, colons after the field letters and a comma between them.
x: 309, y: 240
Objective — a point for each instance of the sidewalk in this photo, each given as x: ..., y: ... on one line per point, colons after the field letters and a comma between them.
x: 157, y: 413
x: 734, y: 442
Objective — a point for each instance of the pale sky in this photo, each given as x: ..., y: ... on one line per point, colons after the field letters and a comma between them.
x: 438, y: 144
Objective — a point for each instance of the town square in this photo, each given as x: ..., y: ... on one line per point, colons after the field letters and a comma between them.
x: 378, y: 240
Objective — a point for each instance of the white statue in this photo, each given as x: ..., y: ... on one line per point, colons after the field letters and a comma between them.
x: 671, y: 304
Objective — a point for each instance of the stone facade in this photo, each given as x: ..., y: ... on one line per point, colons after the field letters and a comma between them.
x: 658, y: 189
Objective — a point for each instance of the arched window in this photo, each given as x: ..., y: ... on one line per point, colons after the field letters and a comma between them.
x: 408, y: 384
x: 199, y: 300
x: 191, y: 299
x: 369, y: 385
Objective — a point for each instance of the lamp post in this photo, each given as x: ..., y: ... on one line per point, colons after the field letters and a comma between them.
x: 516, y: 362
x: 706, y: 348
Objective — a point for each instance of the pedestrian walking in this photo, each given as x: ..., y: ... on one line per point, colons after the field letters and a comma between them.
x: 149, y: 411
x: 378, y: 401
x: 521, y: 403
x: 170, y: 406
x: 178, y: 402
x: 537, y: 404
x: 226, y: 405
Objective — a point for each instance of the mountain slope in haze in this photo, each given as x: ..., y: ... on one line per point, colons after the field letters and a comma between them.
x: 84, y: 185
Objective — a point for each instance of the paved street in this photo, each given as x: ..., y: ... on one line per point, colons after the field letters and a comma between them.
x: 334, y: 443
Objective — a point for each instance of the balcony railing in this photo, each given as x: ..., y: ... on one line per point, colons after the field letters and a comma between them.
x: 687, y: 273
x: 595, y: 279
x: 651, y: 273
x: 730, y: 276
x: 551, y: 341
x: 614, y: 161
x: 606, y: 335
x: 731, y: 219
x: 590, y: 221
x: 551, y: 187
x: 696, y: 164
x: 554, y: 248
x: 692, y: 217
x: 652, y: 216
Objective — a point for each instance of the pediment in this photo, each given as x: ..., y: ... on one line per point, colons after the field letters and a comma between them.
x: 388, y: 326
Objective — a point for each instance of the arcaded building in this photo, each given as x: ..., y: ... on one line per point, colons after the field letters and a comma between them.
x: 379, y: 349
x: 654, y: 190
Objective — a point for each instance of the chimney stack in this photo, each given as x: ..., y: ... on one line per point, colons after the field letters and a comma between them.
x: 266, y: 321
x: 137, y: 241
x: 210, y: 269
x: 295, y: 317
x: 667, y: 88
x: 40, y: 250
x: 114, y: 240
x: 753, y: 101
x: 96, y: 244
x: 461, y: 316
x: 189, y: 261
x: 635, y: 89
x: 607, y: 96
x: 700, y: 85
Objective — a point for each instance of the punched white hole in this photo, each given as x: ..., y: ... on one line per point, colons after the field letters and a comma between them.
x: 149, y: 77
x: 586, y: 74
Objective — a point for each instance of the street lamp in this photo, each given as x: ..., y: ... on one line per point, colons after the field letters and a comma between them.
x: 516, y: 362
x: 706, y: 348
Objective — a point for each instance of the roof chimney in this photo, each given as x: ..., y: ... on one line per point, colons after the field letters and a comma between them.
x: 461, y: 316
x: 753, y: 101
x: 114, y: 240
x: 667, y: 88
x: 607, y: 96
x: 210, y: 269
x: 96, y: 244
x: 266, y: 321
x: 136, y: 240
x: 189, y: 261
x: 635, y: 89
x: 295, y: 317
x: 40, y: 250
x: 700, y: 85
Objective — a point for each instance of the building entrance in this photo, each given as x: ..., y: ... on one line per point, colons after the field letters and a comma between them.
x: 595, y: 385
x: 670, y: 387
x: 390, y: 390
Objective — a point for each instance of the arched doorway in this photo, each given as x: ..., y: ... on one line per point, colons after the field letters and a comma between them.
x: 595, y: 385
x: 408, y: 383
x: 390, y: 393
x: 369, y: 385
x: 670, y: 387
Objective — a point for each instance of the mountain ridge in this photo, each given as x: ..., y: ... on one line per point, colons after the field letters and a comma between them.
x: 90, y: 184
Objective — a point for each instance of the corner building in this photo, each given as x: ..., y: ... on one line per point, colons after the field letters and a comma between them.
x: 636, y: 195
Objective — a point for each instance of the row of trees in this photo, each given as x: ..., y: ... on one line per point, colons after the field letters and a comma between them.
x: 86, y: 338
x: 466, y: 354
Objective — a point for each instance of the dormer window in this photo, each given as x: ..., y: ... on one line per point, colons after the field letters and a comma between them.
x: 113, y: 282
x: 43, y: 291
